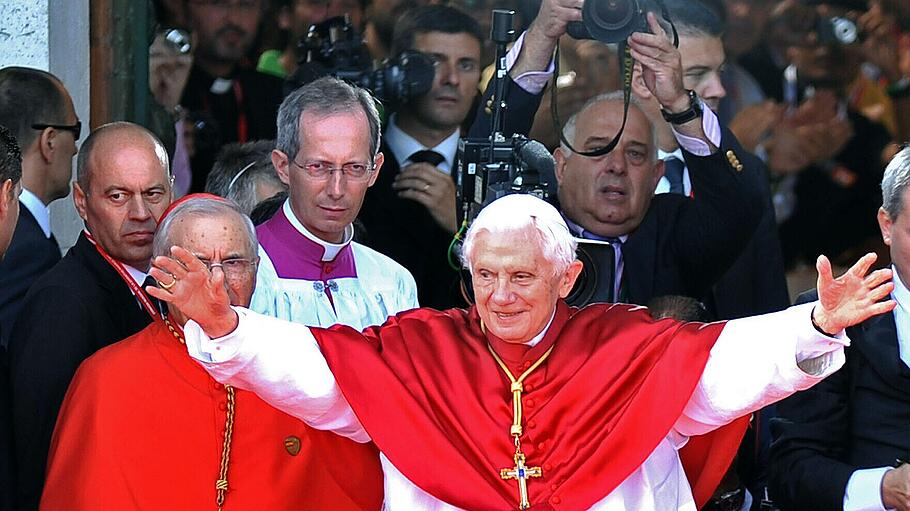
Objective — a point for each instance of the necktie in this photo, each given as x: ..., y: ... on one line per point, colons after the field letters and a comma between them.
x: 673, y: 171
x: 427, y: 156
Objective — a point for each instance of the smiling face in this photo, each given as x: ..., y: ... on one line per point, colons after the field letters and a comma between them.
x: 610, y: 194
x: 327, y: 206
x: 516, y: 288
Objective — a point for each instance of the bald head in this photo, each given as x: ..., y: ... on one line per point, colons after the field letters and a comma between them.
x: 113, y: 138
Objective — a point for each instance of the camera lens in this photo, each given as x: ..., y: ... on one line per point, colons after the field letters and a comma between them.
x: 611, y: 21
x: 611, y: 14
x: 845, y: 30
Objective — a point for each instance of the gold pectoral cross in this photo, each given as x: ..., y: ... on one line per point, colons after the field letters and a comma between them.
x: 521, y: 473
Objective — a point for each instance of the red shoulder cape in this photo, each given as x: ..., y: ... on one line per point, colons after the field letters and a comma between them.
x: 434, y: 401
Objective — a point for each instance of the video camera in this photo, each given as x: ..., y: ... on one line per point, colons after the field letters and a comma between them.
x: 335, y: 48
x: 490, y: 168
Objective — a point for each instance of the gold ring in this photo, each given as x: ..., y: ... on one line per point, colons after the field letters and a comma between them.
x: 168, y: 287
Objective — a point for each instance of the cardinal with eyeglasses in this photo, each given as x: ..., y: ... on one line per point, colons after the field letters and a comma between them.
x: 143, y: 427
x: 522, y: 401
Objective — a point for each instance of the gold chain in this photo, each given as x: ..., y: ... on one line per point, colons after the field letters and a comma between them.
x: 517, y: 388
x: 221, y: 485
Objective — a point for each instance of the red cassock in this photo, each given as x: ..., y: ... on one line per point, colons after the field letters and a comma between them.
x: 612, y: 389
x: 142, y: 427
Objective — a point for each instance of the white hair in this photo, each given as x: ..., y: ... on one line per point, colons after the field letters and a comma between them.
x: 519, y: 213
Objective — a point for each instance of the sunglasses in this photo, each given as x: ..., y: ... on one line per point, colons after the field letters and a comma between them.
x: 75, y: 129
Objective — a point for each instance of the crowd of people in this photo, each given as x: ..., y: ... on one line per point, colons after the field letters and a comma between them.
x: 265, y: 310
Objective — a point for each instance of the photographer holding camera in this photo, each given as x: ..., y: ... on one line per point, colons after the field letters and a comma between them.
x: 668, y: 244
x: 409, y: 214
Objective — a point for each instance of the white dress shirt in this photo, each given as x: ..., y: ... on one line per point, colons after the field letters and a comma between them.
x: 403, y: 146
x: 38, y: 210
x: 754, y: 362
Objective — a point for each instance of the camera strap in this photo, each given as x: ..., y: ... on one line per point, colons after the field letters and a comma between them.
x: 626, y: 66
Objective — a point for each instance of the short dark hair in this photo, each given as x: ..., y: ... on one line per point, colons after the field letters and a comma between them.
x: 29, y: 96
x: 239, y: 168
x: 10, y: 157
x: 694, y: 18
x: 432, y: 18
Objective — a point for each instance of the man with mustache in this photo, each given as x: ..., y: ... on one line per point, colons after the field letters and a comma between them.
x: 410, y: 213
x: 92, y: 297
x: 237, y: 103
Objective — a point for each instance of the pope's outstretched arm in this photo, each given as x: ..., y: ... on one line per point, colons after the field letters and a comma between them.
x: 286, y: 368
x: 759, y: 360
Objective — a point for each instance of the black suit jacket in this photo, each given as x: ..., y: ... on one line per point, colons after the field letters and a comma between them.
x: 755, y: 283
x: 80, y: 306
x: 29, y: 256
x: 683, y: 245
x: 856, y: 418
x: 7, y: 459
x: 405, y: 230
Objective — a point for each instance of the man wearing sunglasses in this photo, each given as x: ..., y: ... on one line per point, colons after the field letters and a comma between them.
x: 39, y: 112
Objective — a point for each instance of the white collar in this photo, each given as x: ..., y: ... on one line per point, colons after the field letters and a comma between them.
x: 330, y: 249
x: 901, y: 294
x: 403, y: 146
x: 901, y: 316
x: 137, y: 275
x: 663, y: 185
x: 539, y: 337
x: 38, y: 210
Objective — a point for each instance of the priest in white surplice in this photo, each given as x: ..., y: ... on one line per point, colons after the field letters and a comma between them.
x: 310, y: 270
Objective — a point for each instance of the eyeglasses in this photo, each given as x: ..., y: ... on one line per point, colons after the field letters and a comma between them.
x: 321, y: 170
x: 232, y: 267
x: 75, y: 129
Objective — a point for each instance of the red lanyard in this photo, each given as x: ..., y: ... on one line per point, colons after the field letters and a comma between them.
x: 125, y: 275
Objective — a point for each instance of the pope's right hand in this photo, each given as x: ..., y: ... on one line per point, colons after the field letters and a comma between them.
x: 199, y: 294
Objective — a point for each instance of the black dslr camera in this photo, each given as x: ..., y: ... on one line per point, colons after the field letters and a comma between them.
x: 335, y: 48
x: 613, y: 21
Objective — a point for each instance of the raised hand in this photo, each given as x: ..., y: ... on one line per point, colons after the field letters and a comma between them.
x: 199, y: 294
x: 661, y: 66
x: 853, y: 297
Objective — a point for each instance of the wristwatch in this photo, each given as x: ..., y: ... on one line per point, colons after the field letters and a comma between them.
x: 686, y: 115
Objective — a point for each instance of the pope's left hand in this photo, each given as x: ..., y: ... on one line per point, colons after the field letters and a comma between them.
x: 853, y: 297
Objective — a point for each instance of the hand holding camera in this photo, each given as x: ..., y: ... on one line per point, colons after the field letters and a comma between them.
x: 661, y: 66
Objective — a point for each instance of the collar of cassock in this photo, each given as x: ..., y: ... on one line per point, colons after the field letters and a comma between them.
x: 515, y: 354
